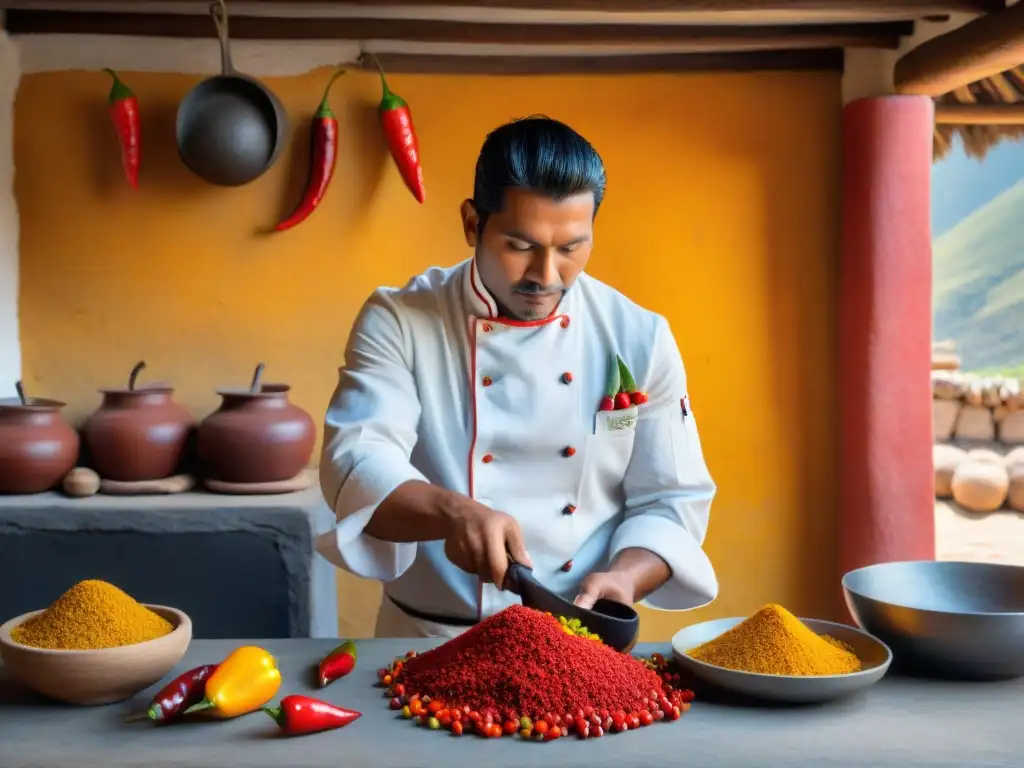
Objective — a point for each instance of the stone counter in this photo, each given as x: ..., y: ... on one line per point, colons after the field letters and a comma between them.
x: 899, y: 723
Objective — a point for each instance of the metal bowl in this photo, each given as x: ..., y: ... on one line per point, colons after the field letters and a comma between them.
x: 790, y: 689
x: 944, y: 619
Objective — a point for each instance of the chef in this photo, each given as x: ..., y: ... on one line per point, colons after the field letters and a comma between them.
x: 468, y: 429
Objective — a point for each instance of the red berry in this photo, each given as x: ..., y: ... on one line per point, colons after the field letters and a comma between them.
x: 607, y: 404
x: 638, y: 398
x: 622, y: 401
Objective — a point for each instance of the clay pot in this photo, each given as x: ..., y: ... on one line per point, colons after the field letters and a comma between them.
x: 37, y: 449
x: 256, y: 436
x: 138, y: 433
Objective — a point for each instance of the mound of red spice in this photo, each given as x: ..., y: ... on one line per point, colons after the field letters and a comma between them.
x: 520, y: 671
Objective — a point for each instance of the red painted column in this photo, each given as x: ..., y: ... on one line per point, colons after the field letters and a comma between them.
x: 887, y: 501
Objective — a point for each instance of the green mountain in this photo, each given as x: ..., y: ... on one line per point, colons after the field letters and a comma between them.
x: 978, y: 293
x: 961, y: 184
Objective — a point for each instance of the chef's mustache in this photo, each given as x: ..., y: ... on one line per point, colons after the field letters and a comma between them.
x: 530, y: 288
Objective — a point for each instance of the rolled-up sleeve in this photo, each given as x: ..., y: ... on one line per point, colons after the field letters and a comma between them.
x: 369, y: 434
x: 667, y: 485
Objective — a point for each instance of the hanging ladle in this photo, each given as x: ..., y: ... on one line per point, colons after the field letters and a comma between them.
x: 618, y: 625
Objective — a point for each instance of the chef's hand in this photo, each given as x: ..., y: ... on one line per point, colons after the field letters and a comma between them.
x: 481, y: 539
x: 609, y: 585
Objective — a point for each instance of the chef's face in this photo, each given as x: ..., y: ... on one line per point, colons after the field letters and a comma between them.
x: 531, y: 252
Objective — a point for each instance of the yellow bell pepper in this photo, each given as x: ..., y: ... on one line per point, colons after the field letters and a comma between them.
x: 246, y: 680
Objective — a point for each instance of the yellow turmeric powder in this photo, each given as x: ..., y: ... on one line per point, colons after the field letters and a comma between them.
x: 92, y: 614
x: 774, y: 642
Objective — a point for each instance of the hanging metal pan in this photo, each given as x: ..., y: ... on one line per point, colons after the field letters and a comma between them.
x: 230, y: 128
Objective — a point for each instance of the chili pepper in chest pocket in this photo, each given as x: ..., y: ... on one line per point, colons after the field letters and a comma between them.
x: 124, y: 113
x: 396, y: 122
x: 323, y: 158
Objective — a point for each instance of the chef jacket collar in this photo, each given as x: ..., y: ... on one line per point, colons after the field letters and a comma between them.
x: 482, y: 304
x: 478, y: 298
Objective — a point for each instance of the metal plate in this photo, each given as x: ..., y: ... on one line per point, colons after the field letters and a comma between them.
x: 792, y: 689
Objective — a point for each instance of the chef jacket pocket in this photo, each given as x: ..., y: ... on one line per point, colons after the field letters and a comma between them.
x: 606, y: 458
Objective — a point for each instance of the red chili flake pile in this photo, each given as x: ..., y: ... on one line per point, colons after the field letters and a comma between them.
x: 520, y: 672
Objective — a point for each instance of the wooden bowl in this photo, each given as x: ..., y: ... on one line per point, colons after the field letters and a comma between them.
x: 101, y: 676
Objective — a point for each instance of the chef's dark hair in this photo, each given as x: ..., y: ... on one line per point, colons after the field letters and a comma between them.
x: 539, y: 154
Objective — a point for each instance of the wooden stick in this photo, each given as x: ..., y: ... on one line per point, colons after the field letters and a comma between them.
x: 986, y: 46
x: 979, y: 114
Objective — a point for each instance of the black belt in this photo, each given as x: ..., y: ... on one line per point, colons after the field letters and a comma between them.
x: 453, y: 621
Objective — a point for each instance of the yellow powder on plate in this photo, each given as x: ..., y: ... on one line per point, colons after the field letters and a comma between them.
x: 775, y: 642
x: 92, y: 614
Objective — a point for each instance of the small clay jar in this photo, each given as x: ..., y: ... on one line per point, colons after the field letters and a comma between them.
x: 37, y: 449
x: 138, y: 433
x: 256, y: 436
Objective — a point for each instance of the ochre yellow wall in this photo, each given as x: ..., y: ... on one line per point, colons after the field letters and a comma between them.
x: 722, y: 214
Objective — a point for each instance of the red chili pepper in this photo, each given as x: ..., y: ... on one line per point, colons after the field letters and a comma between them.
x: 323, y: 157
x: 124, y: 112
x: 337, y: 663
x: 182, y: 692
x: 298, y: 715
x: 611, y: 386
x: 396, y: 121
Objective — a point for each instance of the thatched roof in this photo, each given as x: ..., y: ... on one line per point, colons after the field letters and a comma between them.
x: 977, y: 140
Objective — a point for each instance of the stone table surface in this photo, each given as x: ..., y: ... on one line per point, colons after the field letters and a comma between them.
x: 900, y: 722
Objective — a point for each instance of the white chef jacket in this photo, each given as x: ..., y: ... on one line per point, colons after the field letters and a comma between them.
x: 436, y: 387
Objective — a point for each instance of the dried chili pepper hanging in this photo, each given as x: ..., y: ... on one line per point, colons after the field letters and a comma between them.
x: 124, y: 112
x: 323, y: 157
x: 396, y: 122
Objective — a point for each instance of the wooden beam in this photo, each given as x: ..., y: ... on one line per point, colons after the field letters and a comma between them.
x: 850, y: 9
x: 980, y: 48
x: 704, y: 38
x: 827, y: 60
x: 907, y: 8
x: 979, y: 114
